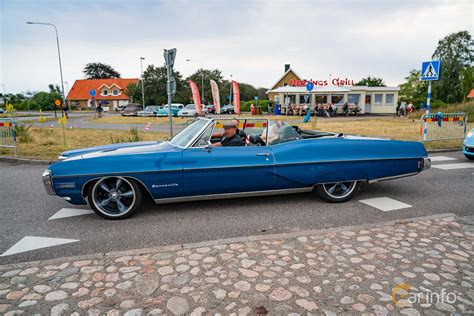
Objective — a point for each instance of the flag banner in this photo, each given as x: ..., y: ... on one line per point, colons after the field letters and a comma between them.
x: 235, y: 88
x: 196, y: 96
x: 215, y: 96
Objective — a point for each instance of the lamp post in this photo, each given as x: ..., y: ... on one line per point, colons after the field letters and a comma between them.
x: 202, y: 76
x: 143, y: 86
x: 230, y: 93
x: 59, y: 54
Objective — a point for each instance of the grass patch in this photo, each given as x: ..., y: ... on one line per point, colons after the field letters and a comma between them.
x: 467, y: 107
x: 47, y: 143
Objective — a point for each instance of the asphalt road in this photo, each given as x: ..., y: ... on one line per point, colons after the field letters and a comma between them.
x: 25, y: 209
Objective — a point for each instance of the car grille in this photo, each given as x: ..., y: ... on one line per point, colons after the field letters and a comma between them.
x: 469, y: 149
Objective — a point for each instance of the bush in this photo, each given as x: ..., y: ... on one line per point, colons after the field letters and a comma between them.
x: 245, y: 105
x: 23, y: 133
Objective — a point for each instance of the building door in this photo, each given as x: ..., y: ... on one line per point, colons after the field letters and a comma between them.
x: 368, y: 103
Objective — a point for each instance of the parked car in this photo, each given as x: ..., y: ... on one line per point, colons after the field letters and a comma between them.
x: 1, y: 111
x: 227, y: 109
x: 188, y: 111
x: 131, y: 109
x: 175, y: 108
x: 114, y: 179
x: 150, y: 110
x: 468, y: 145
x: 211, y: 108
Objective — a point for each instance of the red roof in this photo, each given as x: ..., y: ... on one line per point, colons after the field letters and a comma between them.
x: 80, y: 89
x: 471, y: 94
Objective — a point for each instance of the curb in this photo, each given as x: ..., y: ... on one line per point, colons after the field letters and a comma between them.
x: 210, y: 243
x: 433, y: 151
x: 26, y: 161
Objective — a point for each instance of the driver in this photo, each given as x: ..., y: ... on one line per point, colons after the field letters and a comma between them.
x: 239, y: 131
x: 230, y: 137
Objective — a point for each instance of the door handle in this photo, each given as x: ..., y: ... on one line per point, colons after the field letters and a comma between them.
x: 264, y: 154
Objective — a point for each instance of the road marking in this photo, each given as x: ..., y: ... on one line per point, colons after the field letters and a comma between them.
x: 69, y: 212
x: 441, y: 158
x: 453, y: 166
x: 385, y: 204
x: 28, y: 243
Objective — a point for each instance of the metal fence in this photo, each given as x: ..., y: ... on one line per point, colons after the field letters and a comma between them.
x: 443, y: 126
x: 8, y: 134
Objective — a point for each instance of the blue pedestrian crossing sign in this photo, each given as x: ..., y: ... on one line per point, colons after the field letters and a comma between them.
x: 430, y: 70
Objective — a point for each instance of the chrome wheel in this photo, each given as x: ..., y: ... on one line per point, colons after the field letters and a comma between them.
x: 339, y: 190
x: 114, y: 196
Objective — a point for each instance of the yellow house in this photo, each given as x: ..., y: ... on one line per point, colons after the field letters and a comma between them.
x: 291, y: 90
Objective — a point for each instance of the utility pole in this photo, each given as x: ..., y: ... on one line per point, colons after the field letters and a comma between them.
x: 170, y: 55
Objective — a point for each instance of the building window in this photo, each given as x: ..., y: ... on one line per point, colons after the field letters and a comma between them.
x: 353, y: 98
x: 389, y: 98
x: 305, y: 98
x: 337, y: 99
x: 323, y: 99
x: 290, y: 99
x: 116, y: 92
x: 378, y: 99
x: 105, y: 92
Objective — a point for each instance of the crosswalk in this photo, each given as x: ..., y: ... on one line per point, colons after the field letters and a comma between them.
x: 449, y: 163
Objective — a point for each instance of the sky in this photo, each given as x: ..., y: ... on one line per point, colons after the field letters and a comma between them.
x: 250, y: 40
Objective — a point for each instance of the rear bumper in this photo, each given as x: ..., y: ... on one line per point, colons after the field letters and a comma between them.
x: 426, y: 163
x: 47, y: 182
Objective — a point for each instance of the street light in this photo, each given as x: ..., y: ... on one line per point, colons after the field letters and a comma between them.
x: 143, y: 89
x: 59, y: 54
x: 202, y: 76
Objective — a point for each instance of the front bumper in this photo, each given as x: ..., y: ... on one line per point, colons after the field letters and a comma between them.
x: 426, y: 163
x: 48, y: 182
x: 468, y: 150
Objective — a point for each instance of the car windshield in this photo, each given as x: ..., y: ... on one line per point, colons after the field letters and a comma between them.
x: 187, y: 134
x: 190, y: 107
x: 151, y: 108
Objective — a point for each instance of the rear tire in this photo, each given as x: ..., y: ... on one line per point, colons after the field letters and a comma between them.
x: 469, y: 157
x: 114, y: 197
x: 338, y: 192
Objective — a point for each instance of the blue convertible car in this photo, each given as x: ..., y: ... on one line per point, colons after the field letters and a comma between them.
x: 277, y: 158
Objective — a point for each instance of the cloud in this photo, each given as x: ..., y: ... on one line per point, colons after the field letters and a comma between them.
x: 251, y: 40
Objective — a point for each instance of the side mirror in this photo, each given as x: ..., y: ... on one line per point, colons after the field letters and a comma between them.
x: 208, y: 147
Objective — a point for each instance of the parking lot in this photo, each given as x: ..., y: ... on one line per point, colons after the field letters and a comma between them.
x: 30, y: 215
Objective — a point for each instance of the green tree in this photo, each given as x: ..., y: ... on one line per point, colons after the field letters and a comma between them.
x: 100, y: 71
x: 371, y: 82
x: 413, y: 87
x: 155, y: 81
x: 207, y: 74
x: 456, y: 53
x: 467, y: 81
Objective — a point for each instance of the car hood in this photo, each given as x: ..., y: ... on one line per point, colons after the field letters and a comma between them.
x: 104, y: 148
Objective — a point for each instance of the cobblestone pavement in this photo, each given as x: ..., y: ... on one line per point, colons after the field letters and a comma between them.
x: 353, y: 270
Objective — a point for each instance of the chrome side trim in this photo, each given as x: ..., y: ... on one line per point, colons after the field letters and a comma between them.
x: 393, y: 177
x: 231, y: 195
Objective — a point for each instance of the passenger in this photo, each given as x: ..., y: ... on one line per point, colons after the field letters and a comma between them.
x: 239, y: 132
x: 230, y: 137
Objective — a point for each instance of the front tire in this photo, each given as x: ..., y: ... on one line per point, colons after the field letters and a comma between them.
x: 114, y: 197
x: 338, y: 192
x: 469, y: 157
